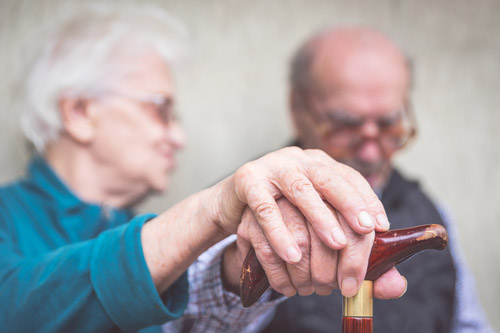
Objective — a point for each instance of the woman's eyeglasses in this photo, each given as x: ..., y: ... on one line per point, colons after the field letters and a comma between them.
x: 161, y: 105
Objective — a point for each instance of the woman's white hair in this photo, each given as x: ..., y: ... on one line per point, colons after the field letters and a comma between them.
x: 80, y: 59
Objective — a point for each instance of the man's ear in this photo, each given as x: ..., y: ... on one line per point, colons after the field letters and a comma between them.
x: 293, y: 100
x: 78, y: 119
x: 296, y: 105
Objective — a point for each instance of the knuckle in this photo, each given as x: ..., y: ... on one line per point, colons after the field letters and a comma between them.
x: 355, y: 250
x: 373, y: 201
x: 241, y: 232
x: 245, y: 172
x: 294, y: 150
x: 299, y: 187
x: 301, y: 277
x: 277, y: 279
x: 267, y: 256
x: 324, y: 280
x: 303, y: 242
x: 264, y: 211
x: 355, y: 261
x: 325, y: 214
x: 318, y: 153
x: 350, y: 201
x: 325, y: 180
x: 288, y: 152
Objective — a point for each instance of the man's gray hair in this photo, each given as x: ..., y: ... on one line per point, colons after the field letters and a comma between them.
x: 299, y: 77
x: 80, y: 59
x: 300, y: 73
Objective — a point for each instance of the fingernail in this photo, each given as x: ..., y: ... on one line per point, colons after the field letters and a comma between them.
x: 349, y: 287
x: 289, y: 291
x: 323, y: 291
x: 406, y: 287
x: 306, y: 291
x: 292, y: 254
x: 383, y: 222
x: 365, y: 220
x: 338, y: 236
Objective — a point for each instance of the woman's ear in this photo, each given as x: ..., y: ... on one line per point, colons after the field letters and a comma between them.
x: 78, y: 118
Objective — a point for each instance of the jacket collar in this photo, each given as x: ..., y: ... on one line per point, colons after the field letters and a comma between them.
x: 47, y: 182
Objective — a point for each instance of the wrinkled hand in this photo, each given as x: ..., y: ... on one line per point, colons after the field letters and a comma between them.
x: 313, y: 182
x: 309, y: 179
x: 320, y: 268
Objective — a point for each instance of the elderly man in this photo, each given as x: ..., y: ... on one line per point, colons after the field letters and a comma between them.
x: 99, y: 110
x: 350, y: 97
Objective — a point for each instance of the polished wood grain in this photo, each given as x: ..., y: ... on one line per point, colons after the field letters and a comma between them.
x: 395, y: 246
x: 356, y: 324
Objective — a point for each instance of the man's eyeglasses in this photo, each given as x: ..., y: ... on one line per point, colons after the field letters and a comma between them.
x: 343, y: 128
x: 161, y: 105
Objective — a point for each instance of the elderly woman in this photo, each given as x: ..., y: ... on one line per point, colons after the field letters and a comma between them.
x: 74, y: 257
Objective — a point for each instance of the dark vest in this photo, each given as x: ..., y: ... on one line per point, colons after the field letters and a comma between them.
x: 426, y: 307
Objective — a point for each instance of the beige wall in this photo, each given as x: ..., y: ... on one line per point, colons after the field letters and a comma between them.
x: 232, y: 97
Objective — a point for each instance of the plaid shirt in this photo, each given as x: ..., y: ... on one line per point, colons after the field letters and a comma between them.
x: 213, y: 309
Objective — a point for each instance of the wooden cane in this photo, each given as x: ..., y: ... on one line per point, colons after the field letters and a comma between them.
x: 389, y: 249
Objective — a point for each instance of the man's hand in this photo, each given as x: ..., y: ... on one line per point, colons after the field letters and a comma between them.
x: 320, y: 268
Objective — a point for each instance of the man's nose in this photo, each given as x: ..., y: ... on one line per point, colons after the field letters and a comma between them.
x: 369, y: 151
x: 369, y: 129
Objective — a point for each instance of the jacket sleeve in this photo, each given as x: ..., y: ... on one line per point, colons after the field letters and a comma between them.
x: 95, y: 285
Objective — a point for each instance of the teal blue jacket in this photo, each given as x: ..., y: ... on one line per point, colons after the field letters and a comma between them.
x: 71, y: 266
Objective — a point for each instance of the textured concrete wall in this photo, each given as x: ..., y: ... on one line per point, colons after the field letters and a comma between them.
x: 232, y: 97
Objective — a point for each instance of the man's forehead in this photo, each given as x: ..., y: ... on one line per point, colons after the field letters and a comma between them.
x: 357, y: 58
x: 361, y: 75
